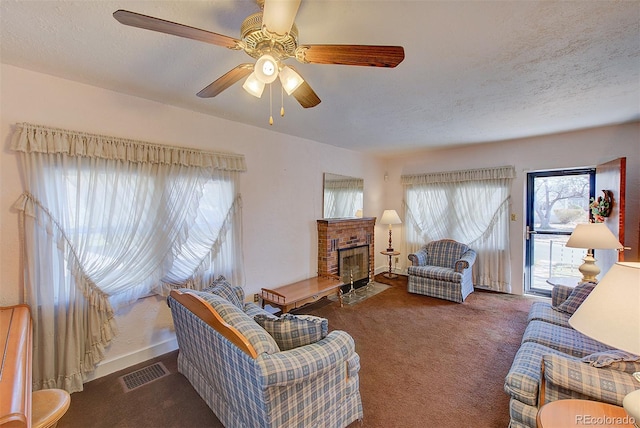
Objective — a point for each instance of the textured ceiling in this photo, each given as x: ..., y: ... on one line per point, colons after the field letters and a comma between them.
x: 474, y: 71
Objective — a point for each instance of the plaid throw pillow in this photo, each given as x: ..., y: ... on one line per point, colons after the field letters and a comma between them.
x: 221, y: 287
x: 291, y: 331
x: 576, y: 298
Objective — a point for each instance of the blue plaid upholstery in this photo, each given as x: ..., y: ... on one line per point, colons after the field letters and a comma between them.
x: 442, y: 269
x: 560, y: 293
x: 549, y: 342
x: 232, y: 315
x: 566, y: 377
x: 522, y: 415
x: 563, y: 339
x: 575, y: 299
x: 542, y: 311
x: 252, y: 310
x: 523, y: 380
x: 292, y: 331
x: 222, y: 288
x: 311, y: 386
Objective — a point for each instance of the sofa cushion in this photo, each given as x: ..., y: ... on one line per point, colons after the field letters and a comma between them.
x: 615, y: 359
x: 566, y: 340
x: 222, y: 288
x: 291, y: 331
x: 261, y: 341
x: 542, y: 311
x: 436, y: 272
x: 575, y: 299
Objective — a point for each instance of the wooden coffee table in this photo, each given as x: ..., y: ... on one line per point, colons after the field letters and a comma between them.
x: 582, y: 413
x: 300, y: 293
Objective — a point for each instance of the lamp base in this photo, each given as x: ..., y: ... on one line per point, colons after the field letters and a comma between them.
x: 631, y: 404
x: 589, y: 269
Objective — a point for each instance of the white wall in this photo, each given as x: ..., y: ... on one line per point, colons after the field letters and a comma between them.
x: 281, y: 191
x: 568, y: 150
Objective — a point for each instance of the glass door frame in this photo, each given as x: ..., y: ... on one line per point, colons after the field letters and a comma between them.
x: 530, y: 219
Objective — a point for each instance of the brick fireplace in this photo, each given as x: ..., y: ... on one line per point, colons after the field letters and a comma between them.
x: 336, y: 234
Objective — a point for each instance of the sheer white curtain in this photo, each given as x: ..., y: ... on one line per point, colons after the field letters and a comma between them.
x: 469, y: 206
x: 107, y: 221
x: 342, y: 196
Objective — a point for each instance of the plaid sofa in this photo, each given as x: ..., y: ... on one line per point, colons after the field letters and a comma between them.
x: 442, y: 269
x: 315, y: 385
x: 548, y: 366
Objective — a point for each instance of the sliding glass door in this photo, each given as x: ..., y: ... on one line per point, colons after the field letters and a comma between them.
x: 556, y: 202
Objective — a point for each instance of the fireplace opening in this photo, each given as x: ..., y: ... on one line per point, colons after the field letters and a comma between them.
x: 353, y: 264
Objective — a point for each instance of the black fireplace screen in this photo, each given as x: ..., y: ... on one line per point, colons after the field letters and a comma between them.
x: 353, y: 265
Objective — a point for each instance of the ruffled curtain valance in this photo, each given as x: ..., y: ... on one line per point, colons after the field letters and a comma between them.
x: 460, y: 176
x: 30, y: 138
x: 356, y: 184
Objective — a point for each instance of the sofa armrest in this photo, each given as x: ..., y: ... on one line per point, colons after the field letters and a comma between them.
x: 419, y: 258
x: 560, y: 293
x: 569, y: 375
x: 467, y: 260
x: 306, y: 362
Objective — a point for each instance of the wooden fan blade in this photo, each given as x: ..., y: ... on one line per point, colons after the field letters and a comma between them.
x: 225, y: 81
x: 278, y: 15
x: 371, y: 56
x: 305, y: 96
x: 156, y: 24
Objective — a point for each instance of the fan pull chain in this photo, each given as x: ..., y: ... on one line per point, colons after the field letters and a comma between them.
x: 270, y: 107
x: 281, y: 101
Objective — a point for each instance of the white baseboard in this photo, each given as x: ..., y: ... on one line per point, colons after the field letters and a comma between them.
x: 107, y: 367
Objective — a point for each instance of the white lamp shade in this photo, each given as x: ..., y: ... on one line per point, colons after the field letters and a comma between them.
x: 611, y: 312
x: 253, y: 86
x: 390, y: 217
x: 593, y: 236
x: 278, y: 15
x: 290, y: 80
x: 359, y: 213
x: 266, y: 69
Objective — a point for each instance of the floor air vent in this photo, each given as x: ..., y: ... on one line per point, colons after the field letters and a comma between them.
x: 143, y: 376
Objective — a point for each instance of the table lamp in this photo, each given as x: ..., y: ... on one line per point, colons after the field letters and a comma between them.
x: 390, y: 217
x: 592, y: 236
x: 611, y: 315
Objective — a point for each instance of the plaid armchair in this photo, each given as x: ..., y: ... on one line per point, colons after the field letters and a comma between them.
x: 243, y: 376
x: 442, y: 269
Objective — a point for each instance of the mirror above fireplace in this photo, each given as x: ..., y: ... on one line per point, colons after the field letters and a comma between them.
x: 343, y: 196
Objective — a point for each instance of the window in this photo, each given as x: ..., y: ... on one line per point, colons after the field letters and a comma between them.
x: 471, y: 207
x: 107, y: 221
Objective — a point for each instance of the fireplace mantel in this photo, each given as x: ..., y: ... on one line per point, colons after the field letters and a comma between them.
x: 339, y: 233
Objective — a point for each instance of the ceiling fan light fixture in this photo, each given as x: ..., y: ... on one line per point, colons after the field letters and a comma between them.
x: 253, y: 85
x: 266, y: 69
x: 290, y: 80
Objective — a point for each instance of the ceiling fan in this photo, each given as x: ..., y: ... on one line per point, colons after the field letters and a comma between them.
x: 271, y: 37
